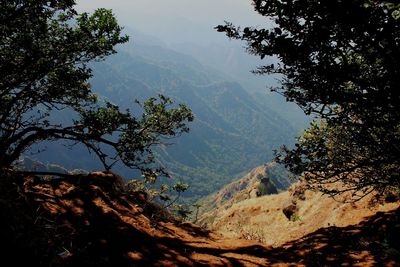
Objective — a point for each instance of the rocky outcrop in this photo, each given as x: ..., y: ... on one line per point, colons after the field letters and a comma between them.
x: 264, y: 180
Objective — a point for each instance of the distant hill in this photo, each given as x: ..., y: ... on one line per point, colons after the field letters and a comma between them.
x: 232, y: 60
x: 232, y: 131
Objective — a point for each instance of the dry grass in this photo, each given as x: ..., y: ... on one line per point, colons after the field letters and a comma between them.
x: 315, y: 211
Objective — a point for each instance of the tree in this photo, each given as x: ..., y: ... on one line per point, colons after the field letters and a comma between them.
x: 339, y: 61
x: 45, y: 48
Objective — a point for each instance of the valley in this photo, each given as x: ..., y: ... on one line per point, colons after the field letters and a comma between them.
x: 233, y: 130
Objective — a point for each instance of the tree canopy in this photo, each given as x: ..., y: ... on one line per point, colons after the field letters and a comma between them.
x: 45, y: 49
x: 338, y: 60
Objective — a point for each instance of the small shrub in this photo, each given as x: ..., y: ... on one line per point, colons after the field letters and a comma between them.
x: 295, y: 217
x: 256, y: 234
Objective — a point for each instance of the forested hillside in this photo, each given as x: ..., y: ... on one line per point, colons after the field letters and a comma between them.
x: 238, y: 65
x: 231, y: 134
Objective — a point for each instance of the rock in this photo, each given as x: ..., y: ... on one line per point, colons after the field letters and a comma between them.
x: 289, y: 210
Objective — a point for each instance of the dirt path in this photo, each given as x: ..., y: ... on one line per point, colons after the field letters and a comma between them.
x: 82, y: 222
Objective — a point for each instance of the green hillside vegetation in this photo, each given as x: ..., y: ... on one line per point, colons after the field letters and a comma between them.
x: 231, y: 133
x: 232, y: 59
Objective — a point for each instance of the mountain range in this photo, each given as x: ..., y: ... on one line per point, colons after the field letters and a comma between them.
x: 233, y: 131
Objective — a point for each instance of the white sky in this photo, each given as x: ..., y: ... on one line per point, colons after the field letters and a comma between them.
x: 179, y: 20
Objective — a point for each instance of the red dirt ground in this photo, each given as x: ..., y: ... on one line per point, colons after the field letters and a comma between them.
x: 85, y: 221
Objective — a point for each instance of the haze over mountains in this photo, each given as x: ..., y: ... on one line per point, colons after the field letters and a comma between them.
x: 232, y: 132
x: 177, y: 21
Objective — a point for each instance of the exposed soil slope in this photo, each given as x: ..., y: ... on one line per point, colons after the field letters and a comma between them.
x: 88, y: 221
x: 264, y: 180
x: 299, y: 218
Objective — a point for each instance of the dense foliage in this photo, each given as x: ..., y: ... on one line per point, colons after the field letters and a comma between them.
x: 340, y: 61
x: 45, y: 48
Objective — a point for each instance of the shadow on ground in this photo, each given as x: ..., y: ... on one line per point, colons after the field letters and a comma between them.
x: 80, y: 222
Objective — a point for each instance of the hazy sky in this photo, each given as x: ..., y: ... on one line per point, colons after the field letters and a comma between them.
x: 176, y: 21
